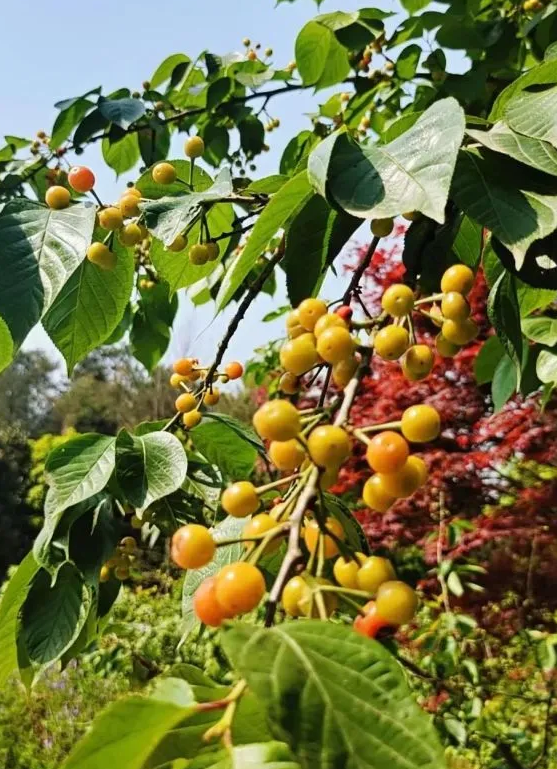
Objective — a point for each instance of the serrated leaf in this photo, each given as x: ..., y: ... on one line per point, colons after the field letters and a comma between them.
x: 224, y: 447
x: 170, y: 216
x: 504, y: 313
x: 411, y: 173
x: 121, y: 154
x: 53, y: 615
x: 13, y: 599
x: 149, y: 467
x: 516, y: 204
x: 90, y: 306
x: 77, y: 470
x: 488, y: 359
x: 126, y: 733
x: 533, y: 152
x: 467, y: 245
x: 230, y: 528
x: 531, y: 114
x: 322, y: 61
x: 39, y: 250
x: 314, y: 238
x: 282, y: 206
x: 336, y: 698
x: 543, y: 74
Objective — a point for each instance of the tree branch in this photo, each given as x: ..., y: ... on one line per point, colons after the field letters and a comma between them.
x: 359, y: 271
x: 294, y: 552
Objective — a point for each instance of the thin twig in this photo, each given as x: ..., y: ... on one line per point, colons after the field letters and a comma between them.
x: 250, y: 295
x: 294, y: 552
x: 440, y: 537
x: 359, y: 271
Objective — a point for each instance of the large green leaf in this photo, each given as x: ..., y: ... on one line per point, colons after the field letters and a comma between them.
x: 467, y: 245
x: 149, y: 466
x: 546, y: 367
x: 90, y: 306
x: 504, y: 383
x: 261, y: 755
x: 545, y: 73
x: 39, y: 250
x: 411, y: 173
x: 338, y: 699
x: 152, y: 322
x: 514, y: 202
x: 126, y: 733
x: 230, y: 528
x: 407, y: 61
x: 504, y: 313
x: 121, y: 152
x: 532, y: 114
x: 53, y: 615
x: 322, y: 61
x: 225, y: 446
x: 541, y: 329
x: 168, y: 217
x: 71, y: 112
x: 122, y: 112
x: 176, y: 268
x: 282, y: 206
x: 167, y: 67
x: 533, y: 152
x: 313, y: 239
x: 13, y: 599
x: 77, y: 470
x: 531, y: 299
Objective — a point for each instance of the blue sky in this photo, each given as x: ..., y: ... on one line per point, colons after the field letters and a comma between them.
x: 62, y: 49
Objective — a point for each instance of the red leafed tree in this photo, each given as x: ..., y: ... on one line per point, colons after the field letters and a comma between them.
x: 487, y: 468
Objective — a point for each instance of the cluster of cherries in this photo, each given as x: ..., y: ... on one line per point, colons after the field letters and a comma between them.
x: 119, y: 565
x: 187, y: 371
x: 124, y: 218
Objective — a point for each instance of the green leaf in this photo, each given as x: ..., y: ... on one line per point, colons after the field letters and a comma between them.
x: 454, y: 584
x: 504, y: 313
x: 126, y: 733
x: 150, y: 189
x: 53, y: 615
x: 546, y: 367
x: 72, y: 111
x: 252, y: 134
x: 531, y: 299
x: 314, y: 238
x: 505, y: 382
x: 13, y: 599
x: 120, y: 153
x: 467, y: 245
x: 230, y: 528
x: 77, y: 470
x: 531, y: 114
x: 170, y: 216
x: 295, y: 151
x: 150, y: 332
x: 91, y: 124
x: 336, y: 698
x: 533, y: 152
x: 511, y: 201
x: 90, y: 306
x: 217, y: 144
x: 413, y: 6
x: 354, y: 533
x: 240, y: 428
x: 122, y: 112
x: 149, y: 467
x: 411, y: 173
x: 322, y: 61
x: 39, y: 250
x: 407, y: 61
x: 268, y: 185
x: 541, y: 329
x: 176, y: 268
x: 165, y: 69
x: 282, y: 206
x: 6, y: 346
x: 224, y: 447
x: 488, y: 359
x: 154, y: 141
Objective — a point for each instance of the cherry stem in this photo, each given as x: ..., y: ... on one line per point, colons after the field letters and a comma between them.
x: 377, y: 428
x: 277, y: 484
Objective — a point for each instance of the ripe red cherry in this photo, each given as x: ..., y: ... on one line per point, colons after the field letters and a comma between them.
x: 370, y: 624
x: 345, y: 312
x: 81, y: 178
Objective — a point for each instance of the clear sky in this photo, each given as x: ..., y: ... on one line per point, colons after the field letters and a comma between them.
x: 62, y: 49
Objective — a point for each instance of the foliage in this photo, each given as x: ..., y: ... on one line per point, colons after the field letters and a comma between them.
x: 16, y: 516
x: 469, y: 159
